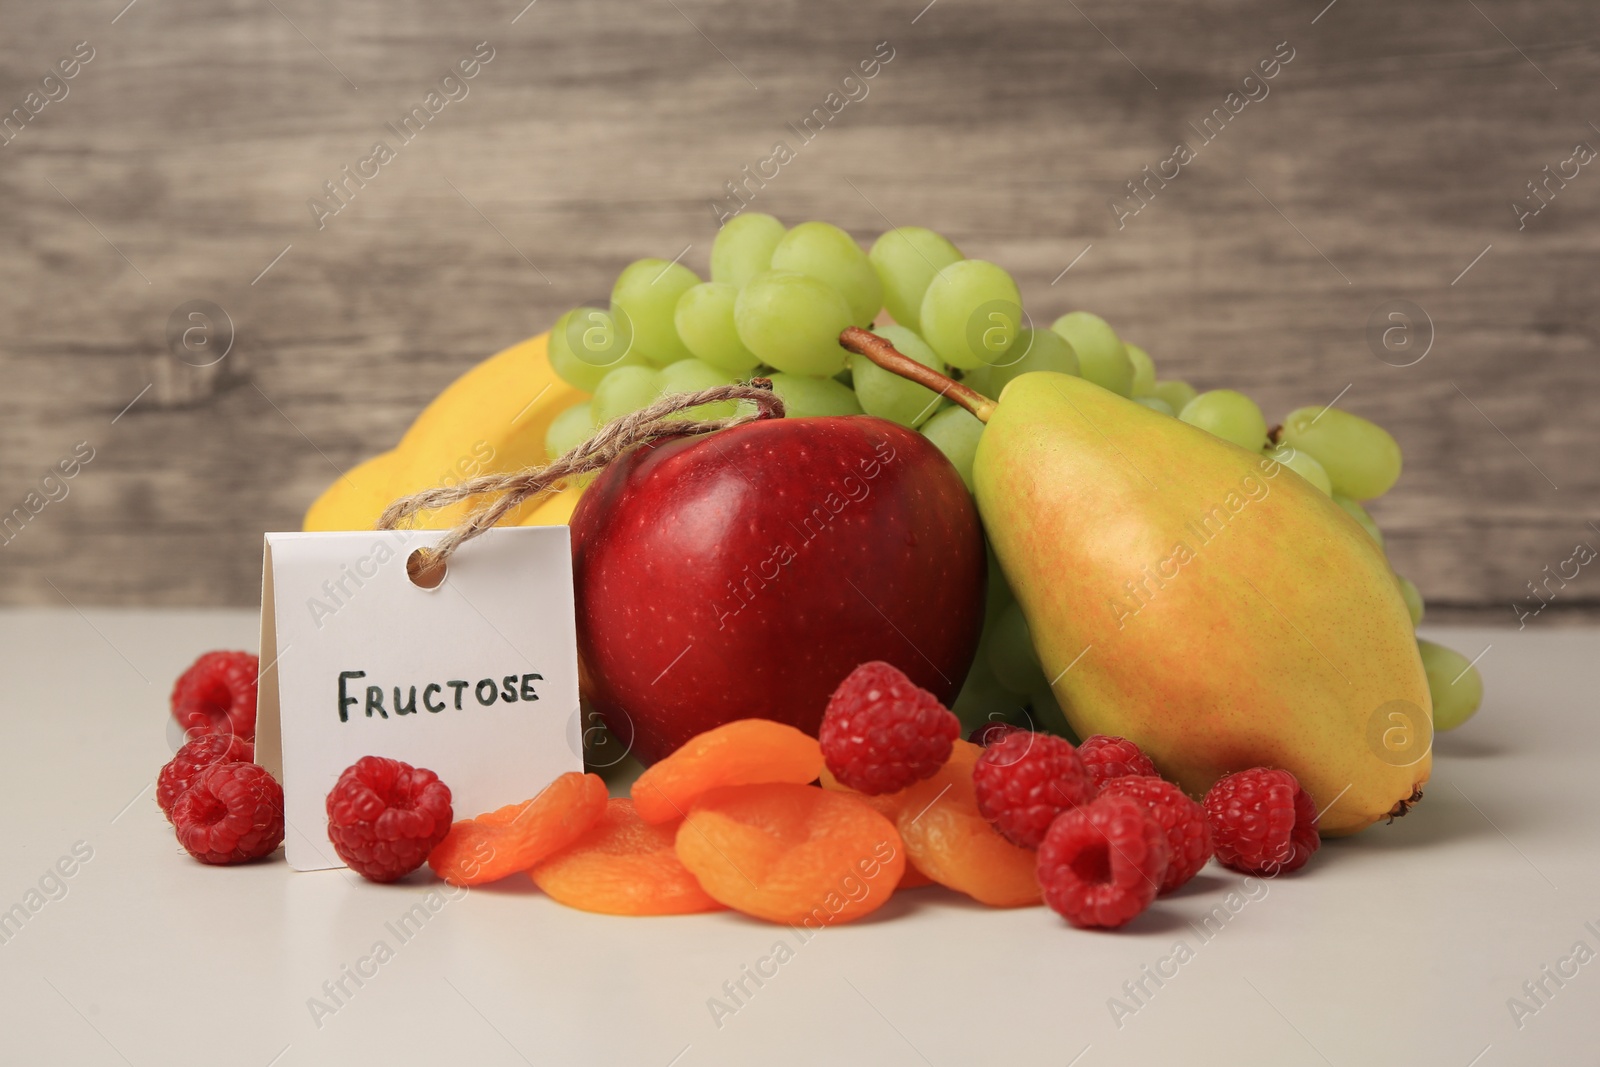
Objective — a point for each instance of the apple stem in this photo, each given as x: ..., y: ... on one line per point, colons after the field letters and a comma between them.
x: 885, y: 355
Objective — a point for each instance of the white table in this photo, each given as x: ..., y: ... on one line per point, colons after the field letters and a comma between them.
x: 1401, y: 946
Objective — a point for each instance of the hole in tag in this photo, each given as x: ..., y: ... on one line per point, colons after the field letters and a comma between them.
x: 424, y: 570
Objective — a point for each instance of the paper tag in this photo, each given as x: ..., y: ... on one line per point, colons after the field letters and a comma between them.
x: 476, y: 680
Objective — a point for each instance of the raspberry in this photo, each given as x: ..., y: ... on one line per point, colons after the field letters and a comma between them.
x: 384, y: 817
x: 1102, y: 864
x: 1262, y: 822
x: 1024, y: 780
x: 233, y: 812
x: 181, y: 771
x: 1113, y: 757
x: 217, y: 695
x: 987, y: 733
x: 881, y: 733
x: 1188, y: 836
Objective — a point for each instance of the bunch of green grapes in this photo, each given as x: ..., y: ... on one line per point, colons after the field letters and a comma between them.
x: 775, y: 306
x: 777, y: 300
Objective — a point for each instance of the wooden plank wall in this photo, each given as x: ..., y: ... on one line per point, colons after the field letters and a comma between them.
x: 1380, y: 164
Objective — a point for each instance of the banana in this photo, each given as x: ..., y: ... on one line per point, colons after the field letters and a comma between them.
x: 491, y: 420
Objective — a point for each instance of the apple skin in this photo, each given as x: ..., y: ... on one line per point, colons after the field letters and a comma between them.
x: 745, y: 573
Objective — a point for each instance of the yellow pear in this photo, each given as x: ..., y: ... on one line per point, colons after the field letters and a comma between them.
x: 1202, y: 600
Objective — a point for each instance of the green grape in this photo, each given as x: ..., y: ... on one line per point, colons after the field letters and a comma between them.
x: 997, y: 593
x: 1454, y: 683
x: 1154, y: 403
x: 971, y: 313
x: 648, y: 291
x: 1177, y: 394
x: 1048, y: 716
x: 1102, y: 358
x: 828, y: 254
x: 603, y: 753
x: 743, y: 248
x: 979, y: 379
x: 569, y: 429
x: 982, y: 698
x: 1362, y: 460
x: 1009, y: 649
x: 1229, y: 415
x: 691, y: 376
x: 887, y: 395
x: 704, y: 319
x: 623, y: 390
x: 955, y: 432
x: 1413, y: 598
x: 1359, y: 513
x: 1035, y: 350
x: 1301, y: 463
x: 792, y: 322
x: 1144, y: 370
x: 906, y: 260
x: 805, y: 398
x: 588, y: 343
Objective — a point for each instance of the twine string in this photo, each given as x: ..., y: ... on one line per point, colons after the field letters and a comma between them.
x: 509, y: 490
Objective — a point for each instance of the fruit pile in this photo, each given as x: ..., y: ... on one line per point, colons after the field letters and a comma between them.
x: 775, y: 306
x: 761, y: 818
x: 1274, y: 692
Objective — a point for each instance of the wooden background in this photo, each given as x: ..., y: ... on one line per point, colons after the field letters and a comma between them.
x: 1382, y: 164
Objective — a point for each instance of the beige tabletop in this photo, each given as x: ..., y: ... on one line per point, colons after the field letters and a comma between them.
x: 1412, y: 944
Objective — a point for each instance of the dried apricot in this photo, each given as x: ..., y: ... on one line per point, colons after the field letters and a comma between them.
x: 888, y: 805
x: 949, y: 841
x: 623, y: 865
x: 791, y: 853
x: 742, y: 752
x: 517, y: 836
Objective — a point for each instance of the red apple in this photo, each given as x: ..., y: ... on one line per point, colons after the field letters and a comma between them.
x: 743, y: 574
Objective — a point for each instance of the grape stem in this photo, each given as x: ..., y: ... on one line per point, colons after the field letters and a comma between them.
x: 885, y: 355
